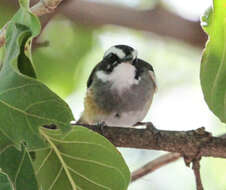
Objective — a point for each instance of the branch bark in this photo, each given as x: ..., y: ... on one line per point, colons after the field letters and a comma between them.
x: 190, y: 144
x: 154, y: 165
x: 45, y: 7
x: 158, y: 20
x: 196, y: 168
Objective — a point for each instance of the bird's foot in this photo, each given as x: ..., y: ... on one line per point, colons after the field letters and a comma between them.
x: 147, y: 124
x: 100, y: 125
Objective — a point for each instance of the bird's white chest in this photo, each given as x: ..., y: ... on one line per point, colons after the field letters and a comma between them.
x: 122, y: 77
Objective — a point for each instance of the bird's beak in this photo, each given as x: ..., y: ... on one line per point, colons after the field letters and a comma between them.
x: 128, y: 58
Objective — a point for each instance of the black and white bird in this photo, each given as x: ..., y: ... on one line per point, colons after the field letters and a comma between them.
x: 120, y: 89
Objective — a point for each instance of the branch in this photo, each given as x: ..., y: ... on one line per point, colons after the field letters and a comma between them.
x: 45, y: 7
x: 190, y: 144
x: 196, y: 168
x: 154, y: 165
x: 39, y: 9
x: 158, y: 20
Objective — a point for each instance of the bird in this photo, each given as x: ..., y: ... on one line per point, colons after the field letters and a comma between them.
x: 120, y: 89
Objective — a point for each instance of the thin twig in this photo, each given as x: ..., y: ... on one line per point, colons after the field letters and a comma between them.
x: 39, y: 9
x: 154, y: 165
x: 196, y: 169
x: 45, y: 7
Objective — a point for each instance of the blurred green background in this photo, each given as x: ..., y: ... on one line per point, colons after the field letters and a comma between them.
x: 168, y: 35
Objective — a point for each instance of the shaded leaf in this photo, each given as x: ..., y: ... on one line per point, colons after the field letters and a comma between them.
x: 80, y: 159
x: 4, y: 182
x: 18, y: 167
x: 213, y: 65
x: 26, y: 103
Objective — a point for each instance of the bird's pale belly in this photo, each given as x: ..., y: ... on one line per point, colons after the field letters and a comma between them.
x: 124, y: 119
x: 123, y: 110
x: 114, y: 108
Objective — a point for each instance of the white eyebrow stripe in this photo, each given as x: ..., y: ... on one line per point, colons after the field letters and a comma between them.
x: 120, y: 53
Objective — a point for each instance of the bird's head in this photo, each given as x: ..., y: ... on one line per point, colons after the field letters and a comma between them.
x: 121, y: 53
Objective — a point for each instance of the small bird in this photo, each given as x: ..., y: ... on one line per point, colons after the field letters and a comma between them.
x: 120, y: 89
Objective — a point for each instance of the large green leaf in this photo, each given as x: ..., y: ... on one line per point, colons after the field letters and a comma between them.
x: 18, y: 167
x: 81, y: 160
x: 25, y: 103
x: 213, y: 66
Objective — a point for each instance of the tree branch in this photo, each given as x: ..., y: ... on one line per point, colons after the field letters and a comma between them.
x: 154, y: 165
x: 45, y: 7
x: 196, y: 168
x: 190, y: 144
x: 39, y: 9
x: 158, y: 20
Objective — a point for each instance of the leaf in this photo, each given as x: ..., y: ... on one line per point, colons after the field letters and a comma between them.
x: 4, y: 182
x: 213, y: 64
x: 18, y: 167
x: 25, y: 103
x: 81, y: 160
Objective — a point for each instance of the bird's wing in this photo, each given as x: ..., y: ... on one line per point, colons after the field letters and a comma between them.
x: 149, y: 67
x: 90, y: 79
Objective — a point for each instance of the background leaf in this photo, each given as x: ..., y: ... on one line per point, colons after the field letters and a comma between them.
x: 213, y: 66
x: 60, y: 63
x: 81, y: 158
x: 25, y: 102
x: 17, y: 165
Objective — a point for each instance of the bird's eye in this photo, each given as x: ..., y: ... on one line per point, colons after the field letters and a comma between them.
x: 112, y: 58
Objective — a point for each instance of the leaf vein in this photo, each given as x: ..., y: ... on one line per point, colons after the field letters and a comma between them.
x: 89, y: 180
x: 55, y: 180
x: 44, y: 161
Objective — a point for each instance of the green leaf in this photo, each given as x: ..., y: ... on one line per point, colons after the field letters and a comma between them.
x: 24, y: 4
x: 4, y: 182
x: 213, y: 64
x: 81, y: 160
x: 18, y: 167
x: 25, y: 103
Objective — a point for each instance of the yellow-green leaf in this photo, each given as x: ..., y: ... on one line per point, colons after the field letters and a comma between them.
x: 213, y: 65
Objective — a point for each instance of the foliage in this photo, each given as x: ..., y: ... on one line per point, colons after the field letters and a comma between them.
x: 75, y: 158
x: 67, y: 163
x: 18, y: 167
x: 213, y: 64
x: 58, y: 64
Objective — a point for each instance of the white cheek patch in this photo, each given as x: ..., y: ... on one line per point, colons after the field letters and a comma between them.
x: 102, y: 76
x: 122, y: 77
x: 115, y: 51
